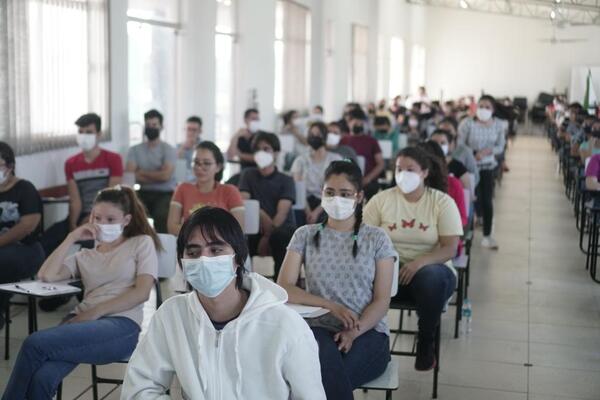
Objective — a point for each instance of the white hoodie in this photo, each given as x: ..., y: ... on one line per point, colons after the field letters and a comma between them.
x: 267, y: 352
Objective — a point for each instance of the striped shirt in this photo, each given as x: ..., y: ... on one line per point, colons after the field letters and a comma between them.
x: 478, y: 136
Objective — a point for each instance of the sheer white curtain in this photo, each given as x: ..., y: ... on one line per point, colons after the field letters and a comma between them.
x: 360, y: 62
x: 56, y: 69
x: 14, y: 74
x: 292, y: 55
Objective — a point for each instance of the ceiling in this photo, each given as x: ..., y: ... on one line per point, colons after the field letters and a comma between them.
x: 559, y: 12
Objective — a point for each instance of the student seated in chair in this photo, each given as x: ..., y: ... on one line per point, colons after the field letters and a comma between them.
x: 153, y: 163
x: 310, y: 169
x: 456, y: 168
x: 349, y: 271
x: 276, y: 193
x: 231, y: 337
x: 424, y: 225
x: 208, y: 163
x: 118, y: 275
x: 186, y: 149
x: 87, y: 172
x: 365, y: 146
x: 21, y: 253
x: 592, y: 173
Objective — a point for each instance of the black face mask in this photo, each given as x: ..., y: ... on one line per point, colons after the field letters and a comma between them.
x: 151, y: 133
x: 358, y: 129
x: 316, y: 142
x: 587, y: 129
x: 596, y: 133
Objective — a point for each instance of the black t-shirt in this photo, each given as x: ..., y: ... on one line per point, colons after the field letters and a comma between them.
x: 456, y: 168
x: 268, y: 190
x: 244, y: 145
x: 21, y: 199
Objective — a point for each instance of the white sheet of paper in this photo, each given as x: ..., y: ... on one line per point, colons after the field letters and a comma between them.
x: 308, y: 311
x: 39, y: 288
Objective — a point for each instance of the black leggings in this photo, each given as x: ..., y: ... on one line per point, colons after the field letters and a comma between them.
x: 485, y: 197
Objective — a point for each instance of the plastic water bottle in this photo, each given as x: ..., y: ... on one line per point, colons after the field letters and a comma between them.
x: 467, y: 314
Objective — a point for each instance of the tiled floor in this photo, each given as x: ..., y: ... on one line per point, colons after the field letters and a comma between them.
x: 552, y: 322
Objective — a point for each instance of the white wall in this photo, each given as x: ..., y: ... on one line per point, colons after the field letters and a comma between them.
x: 468, y: 52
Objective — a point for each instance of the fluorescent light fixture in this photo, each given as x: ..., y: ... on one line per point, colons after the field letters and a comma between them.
x: 463, y: 4
x: 557, y: 1
x: 552, y: 14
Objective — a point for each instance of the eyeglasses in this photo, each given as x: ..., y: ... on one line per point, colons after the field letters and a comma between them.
x: 202, y: 164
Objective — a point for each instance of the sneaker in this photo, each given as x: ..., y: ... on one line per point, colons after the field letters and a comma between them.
x: 425, y: 360
x: 489, y: 242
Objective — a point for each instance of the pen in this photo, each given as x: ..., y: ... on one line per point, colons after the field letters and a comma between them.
x: 22, y: 288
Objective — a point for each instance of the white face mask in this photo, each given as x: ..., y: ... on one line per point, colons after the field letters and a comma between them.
x: 254, y: 126
x: 298, y: 123
x: 263, y: 159
x: 445, y: 149
x: 3, y: 177
x: 484, y: 114
x: 209, y: 275
x: 109, y: 232
x: 315, y: 117
x: 338, y: 207
x: 86, y: 141
x: 413, y: 123
x: 408, y: 181
x: 333, y: 139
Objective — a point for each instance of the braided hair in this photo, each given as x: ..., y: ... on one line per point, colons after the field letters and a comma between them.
x: 352, y: 172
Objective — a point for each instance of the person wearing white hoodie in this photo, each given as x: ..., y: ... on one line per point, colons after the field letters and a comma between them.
x: 232, y: 336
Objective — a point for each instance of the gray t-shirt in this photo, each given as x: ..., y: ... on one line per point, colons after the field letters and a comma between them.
x: 188, y: 156
x: 312, y: 172
x: 152, y: 159
x: 334, y: 274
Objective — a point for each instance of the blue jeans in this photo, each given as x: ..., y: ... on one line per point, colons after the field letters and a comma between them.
x: 48, y: 356
x: 429, y: 289
x: 343, y: 372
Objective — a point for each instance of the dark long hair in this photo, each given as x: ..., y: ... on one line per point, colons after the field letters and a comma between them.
x: 128, y: 202
x: 437, y: 177
x: 354, y: 176
x: 217, y: 155
x: 8, y: 155
x: 214, y: 222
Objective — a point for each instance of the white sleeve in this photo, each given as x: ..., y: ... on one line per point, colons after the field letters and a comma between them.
x: 150, y: 370
x: 302, y: 369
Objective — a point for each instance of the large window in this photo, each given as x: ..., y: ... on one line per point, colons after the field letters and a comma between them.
x: 292, y: 55
x: 53, y: 68
x: 396, y: 67
x: 152, y: 38
x: 224, y: 79
x: 417, y: 68
x: 360, y: 62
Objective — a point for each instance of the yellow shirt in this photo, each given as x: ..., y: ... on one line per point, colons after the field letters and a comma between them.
x: 414, y: 228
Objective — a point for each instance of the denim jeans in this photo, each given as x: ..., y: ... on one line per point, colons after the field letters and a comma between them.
x: 429, y: 289
x: 485, y: 198
x: 278, y: 242
x: 343, y: 372
x: 48, y: 356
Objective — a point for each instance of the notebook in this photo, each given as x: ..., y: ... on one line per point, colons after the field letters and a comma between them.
x: 308, y: 311
x: 38, y: 288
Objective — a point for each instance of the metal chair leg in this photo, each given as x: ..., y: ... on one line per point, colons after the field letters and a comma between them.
x: 94, y: 382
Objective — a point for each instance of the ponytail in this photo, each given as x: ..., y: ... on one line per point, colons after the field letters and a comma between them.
x: 423, y: 154
x: 126, y: 199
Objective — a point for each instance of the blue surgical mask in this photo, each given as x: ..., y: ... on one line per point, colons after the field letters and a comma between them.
x: 209, y: 275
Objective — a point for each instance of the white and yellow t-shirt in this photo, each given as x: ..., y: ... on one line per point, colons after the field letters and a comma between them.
x: 414, y: 228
